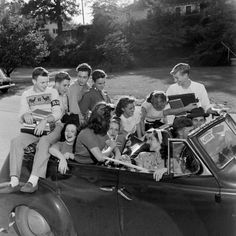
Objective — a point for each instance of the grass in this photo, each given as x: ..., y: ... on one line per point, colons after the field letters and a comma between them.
x: 220, y: 82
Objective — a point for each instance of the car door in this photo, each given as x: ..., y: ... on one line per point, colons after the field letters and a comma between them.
x: 90, y: 193
x: 177, y: 205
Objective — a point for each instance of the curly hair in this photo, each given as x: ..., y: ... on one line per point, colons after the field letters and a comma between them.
x: 99, y: 120
x: 156, y: 94
x: 122, y: 103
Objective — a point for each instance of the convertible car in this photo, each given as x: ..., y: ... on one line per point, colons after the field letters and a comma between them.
x: 101, y: 200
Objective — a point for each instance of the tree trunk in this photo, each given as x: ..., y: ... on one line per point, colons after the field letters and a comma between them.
x: 59, y: 17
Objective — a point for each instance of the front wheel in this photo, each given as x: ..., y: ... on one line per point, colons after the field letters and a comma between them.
x: 29, y: 222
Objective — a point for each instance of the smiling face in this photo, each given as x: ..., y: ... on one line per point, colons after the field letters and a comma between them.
x: 113, y: 130
x: 153, y: 143
x: 82, y: 77
x: 181, y: 78
x: 128, y: 111
x: 41, y: 83
x: 70, y: 133
x: 100, y: 83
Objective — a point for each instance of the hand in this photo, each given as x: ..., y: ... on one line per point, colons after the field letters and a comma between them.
x: 81, y: 119
x: 40, y: 127
x: 190, y: 106
x: 69, y: 155
x: 157, y: 175
x: 62, y: 168
x: 128, y: 143
x: 28, y: 118
x: 111, y: 143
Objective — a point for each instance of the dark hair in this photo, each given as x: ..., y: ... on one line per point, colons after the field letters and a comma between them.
x: 97, y: 74
x: 39, y: 71
x: 63, y: 138
x: 122, y: 103
x: 62, y: 75
x: 156, y: 94
x: 117, y: 121
x: 180, y: 123
x: 84, y: 67
x: 99, y: 119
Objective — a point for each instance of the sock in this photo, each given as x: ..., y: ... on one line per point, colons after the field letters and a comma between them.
x: 14, y: 181
x: 33, y: 180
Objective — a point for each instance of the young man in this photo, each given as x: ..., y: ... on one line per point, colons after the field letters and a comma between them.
x: 184, y: 84
x: 198, y: 117
x: 62, y: 83
x: 95, y: 94
x: 79, y: 88
x: 38, y: 97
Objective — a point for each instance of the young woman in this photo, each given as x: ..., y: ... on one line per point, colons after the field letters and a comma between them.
x: 154, y: 110
x: 129, y: 116
x: 64, y: 150
x: 151, y: 160
x: 93, y: 136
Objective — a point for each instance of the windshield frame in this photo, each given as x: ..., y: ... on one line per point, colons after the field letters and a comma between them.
x: 230, y: 123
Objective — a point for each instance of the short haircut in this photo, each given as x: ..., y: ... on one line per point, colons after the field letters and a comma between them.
x: 39, y: 71
x: 85, y: 68
x: 62, y: 75
x: 184, y: 68
x: 180, y: 123
x: 98, y: 74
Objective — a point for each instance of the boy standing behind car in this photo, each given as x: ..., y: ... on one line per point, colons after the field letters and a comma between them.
x: 79, y: 88
x: 37, y: 97
x: 95, y: 94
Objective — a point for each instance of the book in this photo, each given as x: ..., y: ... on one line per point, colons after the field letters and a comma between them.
x: 39, y: 114
x: 186, y: 98
x: 177, y: 103
x: 32, y: 126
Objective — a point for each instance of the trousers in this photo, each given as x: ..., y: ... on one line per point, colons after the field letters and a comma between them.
x: 41, y: 156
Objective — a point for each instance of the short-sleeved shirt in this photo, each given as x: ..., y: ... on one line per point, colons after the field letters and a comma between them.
x: 152, y: 113
x: 65, y: 147
x: 129, y: 124
x: 91, y: 98
x: 150, y: 160
x: 87, y: 140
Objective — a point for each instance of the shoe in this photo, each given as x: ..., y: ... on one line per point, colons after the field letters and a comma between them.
x: 29, y: 188
x: 10, y: 189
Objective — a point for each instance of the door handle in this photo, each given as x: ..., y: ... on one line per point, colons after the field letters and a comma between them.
x: 107, y: 189
x: 124, y: 194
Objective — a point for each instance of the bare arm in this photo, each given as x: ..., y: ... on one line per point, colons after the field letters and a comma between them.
x: 98, y: 154
x: 179, y: 110
x: 142, y: 123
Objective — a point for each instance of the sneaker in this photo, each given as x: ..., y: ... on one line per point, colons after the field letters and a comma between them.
x: 28, y: 188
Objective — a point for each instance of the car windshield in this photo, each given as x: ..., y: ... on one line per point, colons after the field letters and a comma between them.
x: 2, y: 75
x: 220, y: 143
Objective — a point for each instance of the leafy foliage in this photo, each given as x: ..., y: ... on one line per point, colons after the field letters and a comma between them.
x: 20, y: 44
x: 54, y: 10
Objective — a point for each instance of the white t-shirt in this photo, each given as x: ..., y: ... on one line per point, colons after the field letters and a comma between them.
x: 198, y: 89
x: 129, y: 124
x: 152, y: 113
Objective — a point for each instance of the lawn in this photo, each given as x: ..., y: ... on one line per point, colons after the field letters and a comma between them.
x: 220, y: 82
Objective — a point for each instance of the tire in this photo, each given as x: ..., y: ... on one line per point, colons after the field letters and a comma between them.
x: 29, y: 222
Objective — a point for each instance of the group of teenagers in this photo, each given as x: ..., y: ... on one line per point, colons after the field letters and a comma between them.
x: 87, y: 127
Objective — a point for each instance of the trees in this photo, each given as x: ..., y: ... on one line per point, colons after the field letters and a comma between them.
x: 20, y: 44
x: 54, y: 10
